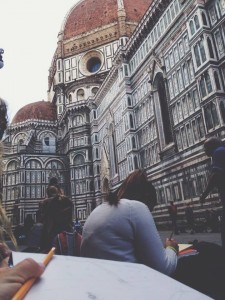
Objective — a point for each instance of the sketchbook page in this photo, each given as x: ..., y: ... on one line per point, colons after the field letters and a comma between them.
x: 184, y: 247
x: 68, y: 277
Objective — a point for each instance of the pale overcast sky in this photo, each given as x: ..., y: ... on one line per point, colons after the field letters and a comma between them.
x: 28, y: 35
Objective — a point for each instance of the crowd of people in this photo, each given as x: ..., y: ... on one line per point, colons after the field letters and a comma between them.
x: 129, y: 235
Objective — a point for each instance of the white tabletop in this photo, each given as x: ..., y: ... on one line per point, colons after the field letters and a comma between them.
x: 80, y: 278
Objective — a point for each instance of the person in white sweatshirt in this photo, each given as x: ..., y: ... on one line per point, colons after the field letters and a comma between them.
x: 123, y: 228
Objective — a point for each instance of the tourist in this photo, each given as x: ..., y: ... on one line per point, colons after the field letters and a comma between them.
x: 123, y: 228
x: 56, y: 211
x: 172, y: 209
x: 54, y: 182
x: 189, y: 213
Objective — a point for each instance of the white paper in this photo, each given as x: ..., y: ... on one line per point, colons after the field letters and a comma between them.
x: 68, y: 277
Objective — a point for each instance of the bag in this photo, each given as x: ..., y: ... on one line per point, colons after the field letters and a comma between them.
x: 205, y: 271
x: 68, y: 243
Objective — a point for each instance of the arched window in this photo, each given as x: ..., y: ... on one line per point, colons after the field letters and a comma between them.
x: 161, y: 95
x: 91, y: 185
x: 112, y: 151
x: 208, y: 83
x: 197, y: 56
x: 12, y: 166
x: 59, y: 65
x: 202, y: 87
x: 94, y: 91
x: 98, y: 169
x: 196, y: 20
x: 135, y: 162
x: 70, y: 98
x: 214, y: 114
x: 80, y: 94
x: 96, y: 153
x: 131, y: 121
x: 133, y: 142
x: 222, y: 110
x: 192, y: 29
x: 79, y: 160
x: 78, y: 120
x: 129, y: 101
x: 204, y: 20
x: 211, y: 54
x: 211, y: 116
x: 217, y: 81
x: 46, y: 141
x: 202, y: 51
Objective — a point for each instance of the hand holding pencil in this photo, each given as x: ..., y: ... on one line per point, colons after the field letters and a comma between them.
x: 28, y: 284
x: 12, y: 278
x: 171, y: 243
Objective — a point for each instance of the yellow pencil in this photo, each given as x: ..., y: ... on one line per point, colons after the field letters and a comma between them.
x: 28, y: 284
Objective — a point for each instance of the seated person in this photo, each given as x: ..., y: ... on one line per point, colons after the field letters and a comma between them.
x: 67, y: 243
x: 123, y: 228
x: 34, y: 237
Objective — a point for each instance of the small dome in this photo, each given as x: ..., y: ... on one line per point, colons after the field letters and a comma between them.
x: 40, y: 110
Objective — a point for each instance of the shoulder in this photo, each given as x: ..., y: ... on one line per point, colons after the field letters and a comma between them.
x: 133, y: 205
x: 219, y: 151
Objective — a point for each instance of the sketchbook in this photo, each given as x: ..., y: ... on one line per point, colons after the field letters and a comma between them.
x: 183, y: 247
x: 68, y: 277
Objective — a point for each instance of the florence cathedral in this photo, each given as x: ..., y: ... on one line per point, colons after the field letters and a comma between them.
x: 132, y: 84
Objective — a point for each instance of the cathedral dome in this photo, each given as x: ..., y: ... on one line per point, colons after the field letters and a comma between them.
x: 88, y: 15
x: 40, y: 110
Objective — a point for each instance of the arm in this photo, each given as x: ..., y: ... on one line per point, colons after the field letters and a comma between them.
x: 149, y: 247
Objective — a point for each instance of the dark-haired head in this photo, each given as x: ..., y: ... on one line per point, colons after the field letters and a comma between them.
x: 211, y: 144
x: 135, y: 187
x: 53, y: 181
x: 52, y: 191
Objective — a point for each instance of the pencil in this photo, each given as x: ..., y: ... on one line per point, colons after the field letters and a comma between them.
x: 10, y: 261
x: 28, y: 284
x: 171, y: 236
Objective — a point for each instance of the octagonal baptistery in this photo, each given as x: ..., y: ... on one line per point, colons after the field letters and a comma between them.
x: 90, y: 34
x: 40, y: 110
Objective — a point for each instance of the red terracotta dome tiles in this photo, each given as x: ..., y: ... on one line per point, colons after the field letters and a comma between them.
x: 88, y: 15
x: 135, y: 10
x: 41, y: 110
x: 91, y: 14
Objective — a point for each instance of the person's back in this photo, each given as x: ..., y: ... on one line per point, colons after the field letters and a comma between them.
x: 172, y: 210
x: 123, y: 228
x: 114, y: 232
x: 126, y: 233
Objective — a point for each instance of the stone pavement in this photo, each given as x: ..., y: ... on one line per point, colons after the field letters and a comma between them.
x: 185, y: 238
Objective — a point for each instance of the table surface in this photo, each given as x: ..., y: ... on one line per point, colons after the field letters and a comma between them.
x: 68, y: 277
